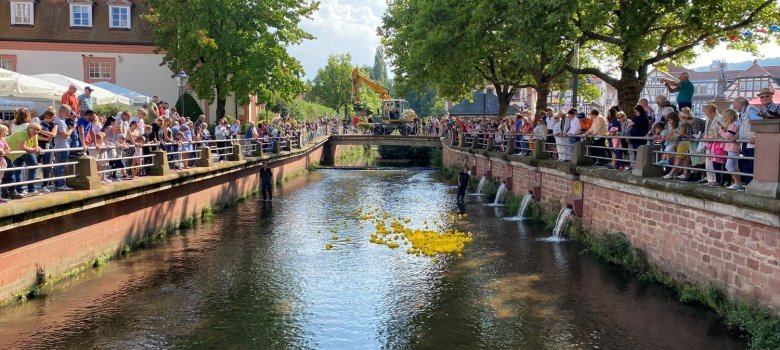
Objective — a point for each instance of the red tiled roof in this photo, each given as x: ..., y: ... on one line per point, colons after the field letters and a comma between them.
x: 755, y: 70
x: 52, y: 24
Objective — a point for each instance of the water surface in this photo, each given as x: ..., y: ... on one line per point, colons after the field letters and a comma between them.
x: 257, y: 276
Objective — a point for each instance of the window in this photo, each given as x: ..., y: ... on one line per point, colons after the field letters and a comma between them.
x: 99, y: 69
x: 742, y: 85
x: 749, y: 86
x: 80, y: 15
x: 22, y: 12
x: 8, y: 62
x: 119, y: 17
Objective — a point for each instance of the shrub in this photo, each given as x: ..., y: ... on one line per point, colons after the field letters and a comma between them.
x: 189, y: 107
x: 111, y: 109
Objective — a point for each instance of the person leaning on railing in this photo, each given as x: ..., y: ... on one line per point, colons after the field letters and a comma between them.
x: 598, y: 132
x: 24, y: 151
x: 729, y: 130
x: 746, y: 113
x: 45, y: 137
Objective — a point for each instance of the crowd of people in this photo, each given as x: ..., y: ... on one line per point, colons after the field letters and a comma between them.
x: 715, y: 151
x: 35, y: 151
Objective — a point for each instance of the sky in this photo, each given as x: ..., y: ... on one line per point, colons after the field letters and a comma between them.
x: 350, y: 26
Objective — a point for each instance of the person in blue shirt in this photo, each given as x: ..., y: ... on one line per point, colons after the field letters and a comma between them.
x: 684, y: 90
x: 84, y: 126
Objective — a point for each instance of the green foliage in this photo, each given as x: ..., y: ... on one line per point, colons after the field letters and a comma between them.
x: 300, y: 110
x: 458, y: 46
x: 229, y: 46
x: 206, y: 213
x: 622, y: 33
x: 332, y: 85
x: 100, y: 261
x: 111, y: 109
x: 125, y: 250
x: 188, y: 107
x: 379, y: 70
x: 418, y: 155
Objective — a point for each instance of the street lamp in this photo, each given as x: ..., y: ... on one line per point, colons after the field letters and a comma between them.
x: 181, y: 82
x: 484, y: 102
x: 575, y: 76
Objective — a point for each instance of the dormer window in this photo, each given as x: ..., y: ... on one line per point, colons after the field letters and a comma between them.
x: 119, y: 16
x: 22, y: 12
x: 81, y: 14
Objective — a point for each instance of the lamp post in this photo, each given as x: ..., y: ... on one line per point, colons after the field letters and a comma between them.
x: 484, y: 102
x: 575, y: 76
x: 181, y: 82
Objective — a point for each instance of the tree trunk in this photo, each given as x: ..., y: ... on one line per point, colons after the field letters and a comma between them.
x: 542, y: 90
x: 629, y: 89
x: 504, y: 97
x: 221, y: 100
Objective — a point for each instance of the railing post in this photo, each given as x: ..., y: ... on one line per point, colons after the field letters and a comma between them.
x: 474, y: 142
x: 766, y: 163
x: 159, y: 164
x: 510, y: 144
x: 238, y: 153
x: 461, y: 140
x: 538, y: 151
x: 579, y: 154
x: 288, y: 145
x: 645, y: 162
x: 205, y: 160
x: 259, y: 149
x: 490, y: 143
x: 277, y: 145
x: 87, y: 177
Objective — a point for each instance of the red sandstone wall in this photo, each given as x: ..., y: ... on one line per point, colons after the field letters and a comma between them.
x: 60, y: 244
x: 703, y: 246
x: 693, y: 244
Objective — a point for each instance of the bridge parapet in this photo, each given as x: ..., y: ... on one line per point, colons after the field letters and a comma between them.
x: 386, y: 140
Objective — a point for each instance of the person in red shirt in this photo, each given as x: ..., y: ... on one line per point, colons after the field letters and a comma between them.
x: 69, y: 98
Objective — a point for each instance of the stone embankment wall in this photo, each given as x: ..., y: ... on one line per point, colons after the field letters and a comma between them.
x: 694, y: 233
x: 61, y: 231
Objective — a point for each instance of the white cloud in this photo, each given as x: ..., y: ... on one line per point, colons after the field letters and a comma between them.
x: 341, y: 26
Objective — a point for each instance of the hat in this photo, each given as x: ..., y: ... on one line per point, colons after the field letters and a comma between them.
x: 766, y: 91
x: 89, y: 88
x: 614, y: 129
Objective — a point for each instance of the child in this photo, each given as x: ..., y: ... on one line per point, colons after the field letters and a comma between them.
x: 137, y: 160
x: 100, y: 153
x: 615, y: 142
x: 730, y: 132
x: 127, y: 150
x: 4, y: 149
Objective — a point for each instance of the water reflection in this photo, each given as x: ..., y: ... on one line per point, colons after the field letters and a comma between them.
x: 258, y: 276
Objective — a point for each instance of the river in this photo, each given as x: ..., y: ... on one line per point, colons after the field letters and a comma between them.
x: 258, y: 276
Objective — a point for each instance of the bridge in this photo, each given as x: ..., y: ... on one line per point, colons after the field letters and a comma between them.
x: 385, y: 140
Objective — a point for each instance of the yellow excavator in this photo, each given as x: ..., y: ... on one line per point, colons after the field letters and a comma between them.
x: 395, y: 113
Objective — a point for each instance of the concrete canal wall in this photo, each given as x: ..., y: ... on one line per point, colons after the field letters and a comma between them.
x: 62, y: 231
x: 694, y: 233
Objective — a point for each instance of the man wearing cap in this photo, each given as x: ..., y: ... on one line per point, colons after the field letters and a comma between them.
x: 85, y: 101
x: 769, y: 109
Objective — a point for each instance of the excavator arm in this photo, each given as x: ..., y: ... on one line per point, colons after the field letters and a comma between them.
x: 359, y: 78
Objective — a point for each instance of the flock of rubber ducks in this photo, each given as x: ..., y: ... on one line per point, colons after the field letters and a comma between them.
x: 438, y: 238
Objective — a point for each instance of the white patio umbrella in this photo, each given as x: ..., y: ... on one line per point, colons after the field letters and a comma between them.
x: 100, y: 95
x: 22, y: 86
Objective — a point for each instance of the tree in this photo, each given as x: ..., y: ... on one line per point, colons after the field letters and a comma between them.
x: 332, y: 86
x: 634, y: 35
x: 231, y: 46
x: 379, y: 71
x: 458, y: 46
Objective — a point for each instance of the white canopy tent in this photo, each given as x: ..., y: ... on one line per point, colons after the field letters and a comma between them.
x: 19, y: 86
x: 99, y: 95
